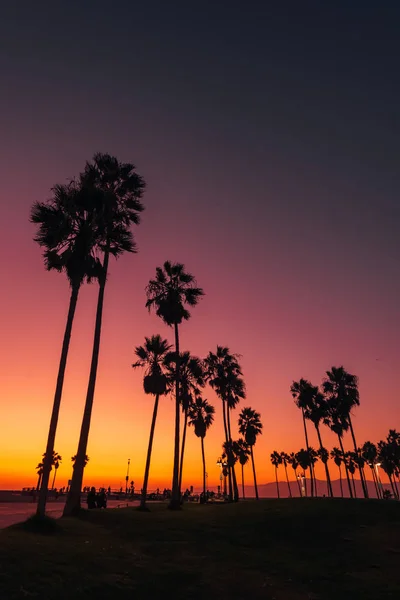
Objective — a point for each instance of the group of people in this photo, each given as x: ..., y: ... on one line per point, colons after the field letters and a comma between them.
x: 97, y: 500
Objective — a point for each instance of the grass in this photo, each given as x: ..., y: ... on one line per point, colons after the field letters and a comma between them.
x: 275, y: 549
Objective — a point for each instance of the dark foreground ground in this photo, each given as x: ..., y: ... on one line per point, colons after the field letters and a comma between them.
x: 287, y: 550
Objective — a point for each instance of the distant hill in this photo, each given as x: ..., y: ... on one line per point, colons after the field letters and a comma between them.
x: 268, y: 490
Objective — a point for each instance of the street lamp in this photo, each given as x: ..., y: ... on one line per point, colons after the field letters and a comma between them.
x: 380, y: 486
x: 300, y: 477
x: 127, y: 477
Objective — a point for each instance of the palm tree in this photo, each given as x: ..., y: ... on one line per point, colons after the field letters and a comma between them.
x: 303, y: 458
x: 191, y: 379
x: 387, y: 458
x: 323, y: 455
x: 73, y: 460
x: 302, y: 392
x: 223, y: 373
x: 201, y: 417
x: 57, y: 459
x: 313, y: 459
x: 39, y: 471
x: 338, y: 456
x: 250, y: 427
x: 369, y: 453
x: 341, y: 389
x: 168, y: 293
x: 286, y: 461
x: 66, y: 232
x: 292, y: 460
x: 338, y: 423
x: 242, y: 452
x: 316, y: 410
x: 276, y: 460
x: 117, y: 190
x: 350, y: 460
x: 152, y: 356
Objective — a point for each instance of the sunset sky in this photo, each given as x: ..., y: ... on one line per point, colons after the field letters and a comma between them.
x: 269, y: 141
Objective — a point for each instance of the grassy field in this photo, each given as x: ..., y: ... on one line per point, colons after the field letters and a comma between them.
x: 274, y: 549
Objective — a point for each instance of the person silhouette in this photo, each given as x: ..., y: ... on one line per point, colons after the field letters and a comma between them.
x: 91, y: 498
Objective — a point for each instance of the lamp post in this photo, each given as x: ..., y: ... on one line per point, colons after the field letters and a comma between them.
x: 127, y: 477
x: 380, y: 486
x: 301, y: 479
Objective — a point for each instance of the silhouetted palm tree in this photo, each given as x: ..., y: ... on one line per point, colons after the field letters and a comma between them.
x: 168, y: 293
x: 286, y: 461
x: 201, y: 417
x: 250, y: 427
x: 67, y: 233
x: 39, y: 471
x: 223, y: 373
x: 57, y: 459
x: 323, y: 455
x: 303, y: 458
x: 118, y: 190
x: 341, y: 390
x: 350, y: 460
x: 295, y: 464
x: 191, y: 379
x: 338, y: 423
x: 73, y: 460
x: 337, y: 456
x: 302, y: 392
x: 242, y: 452
x: 387, y: 458
x: 313, y: 459
x: 316, y: 410
x: 369, y: 452
x: 152, y: 356
x: 276, y: 460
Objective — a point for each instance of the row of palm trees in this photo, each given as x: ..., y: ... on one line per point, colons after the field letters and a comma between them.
x: 55, y: 462
x: 385, y: 454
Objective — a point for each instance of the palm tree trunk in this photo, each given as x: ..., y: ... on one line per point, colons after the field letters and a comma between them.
x: 54, y: 478
x: 73, y: 502
x: 345, y: 467
x: 276, y: 479
x: 375, y: 482
x: 176, y: 492
x: 254, y: 471
x: 38, y: 483
x: 243, y: 482
x: 234, y: 481
x: 183, y: 449
x: 395, y: 485
x: 315, y: 484
x: 305, y: 482
x: 340, y: 479
x: 227, y: 441
x: 204, y: 467
x: 328, y: 477
x: 298, y: 483
x: 41, y: 507
x: 354, y: 485
x: 391, y: 483
x: 362, y: 475
x: 149, y: 450
x: 288, y: 483
x: 308, y: 450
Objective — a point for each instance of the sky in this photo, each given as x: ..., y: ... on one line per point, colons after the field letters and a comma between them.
x: 268, y: 136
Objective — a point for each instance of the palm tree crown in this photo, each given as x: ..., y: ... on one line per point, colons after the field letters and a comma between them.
x: 170, y: 291
x: 152, y: 357
x: 250, y: 425
x: 201, y: 416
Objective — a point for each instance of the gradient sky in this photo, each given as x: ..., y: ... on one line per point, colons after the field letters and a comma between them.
x: 268, y: 134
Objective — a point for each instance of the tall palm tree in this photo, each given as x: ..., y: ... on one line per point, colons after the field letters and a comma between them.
x: 303, y: 458
x: 201, y: 417
x: 152, y: 356
x: 341, y: 389
x: 350, y: 459
x: 57, y: 459
x: 369, y: 453
x: 338, y: 423
x: 276, y: 460
x: 39, y: 471
x: 250, y: 427
x: 169, y: 293
x: 323, y: 455
x: 191, y: 379
x: 313, y: 459
x: 224, y: 375
x: 286, y: 461
x: 388, y: 463
x: 338, y: 457
x: 242, y: 452
x: 67, y: 234
x: 302, y: 392
x: 118, y: 190
x: 393, y: 439
x: 295, y: 465
x: 316, y: 409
